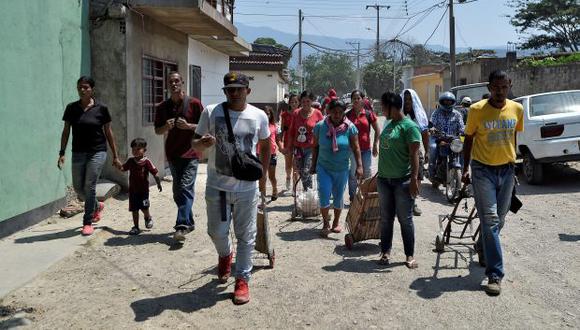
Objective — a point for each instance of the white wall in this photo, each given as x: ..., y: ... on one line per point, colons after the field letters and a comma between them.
x: 214, y: 65
x: 264, y: 86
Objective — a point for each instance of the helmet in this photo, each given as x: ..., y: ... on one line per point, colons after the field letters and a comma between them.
x: 447, y: 96
x: 466, y: 101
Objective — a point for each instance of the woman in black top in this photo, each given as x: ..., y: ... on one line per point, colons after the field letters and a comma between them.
x: 91, y: 127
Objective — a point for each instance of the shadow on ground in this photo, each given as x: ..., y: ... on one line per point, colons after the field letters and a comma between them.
x: 50, y: 236
x: 569, y: 238
x: 203, y: 297
x: 558, y: 178
x: 122, y: 238
x: 434, y: 286
x: 363, y: 266
x: 358, y: 250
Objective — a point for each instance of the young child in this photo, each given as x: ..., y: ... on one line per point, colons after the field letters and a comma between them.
x: 275, y: 139
x: 139, y: 168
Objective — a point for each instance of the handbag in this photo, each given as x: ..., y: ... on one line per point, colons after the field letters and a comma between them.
x: 245, y: 165
x: 515, y: 203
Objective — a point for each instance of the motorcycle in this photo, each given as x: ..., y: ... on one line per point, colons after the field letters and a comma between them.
x: 448, y: 163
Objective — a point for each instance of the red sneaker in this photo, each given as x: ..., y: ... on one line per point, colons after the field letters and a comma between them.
x: 225, y: 267
x: 241, y: 292
x: 97, y: 213
x: 87, y: 230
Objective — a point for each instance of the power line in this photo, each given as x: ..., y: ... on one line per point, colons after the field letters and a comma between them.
x: 436, y: 28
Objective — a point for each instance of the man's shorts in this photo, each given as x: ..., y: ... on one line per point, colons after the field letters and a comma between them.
x: 138, y: 201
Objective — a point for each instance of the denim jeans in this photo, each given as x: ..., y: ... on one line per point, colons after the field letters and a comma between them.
x: 331, y: 183
x: 492, y: 189
x: 433, y: 154
x: 302, y: 163
x: 367, y: 158
x: 86, y: 169
x: 395, y: 199
x: 242, y: 208
x: 184, y: 172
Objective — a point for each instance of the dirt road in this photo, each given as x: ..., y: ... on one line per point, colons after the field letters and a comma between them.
x: 116, y: 281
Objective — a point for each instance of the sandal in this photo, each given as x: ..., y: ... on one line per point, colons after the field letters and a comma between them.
x: 384, y: 260
x: 337, y: 229
x: 412, y: 264
x: 134, y: 231
x: 149, y: 223
x: 324, y: 232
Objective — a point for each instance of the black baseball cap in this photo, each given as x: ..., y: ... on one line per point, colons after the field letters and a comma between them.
x: 236, y: 79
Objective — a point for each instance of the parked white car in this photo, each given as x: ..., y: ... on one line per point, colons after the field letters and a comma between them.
x: 551, y: 131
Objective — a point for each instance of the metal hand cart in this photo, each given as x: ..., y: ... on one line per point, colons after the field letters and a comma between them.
x: 263, y: 237
x: 462, y: 217
x: 363, y: 220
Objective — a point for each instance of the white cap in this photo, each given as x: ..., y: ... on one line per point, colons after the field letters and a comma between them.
x: 466, y: 100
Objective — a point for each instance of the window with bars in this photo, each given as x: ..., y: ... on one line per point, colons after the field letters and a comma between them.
x: 155, y: 74
x: 224, y: 7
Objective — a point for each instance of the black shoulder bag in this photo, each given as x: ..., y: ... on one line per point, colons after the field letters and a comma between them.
x: 245, y: 166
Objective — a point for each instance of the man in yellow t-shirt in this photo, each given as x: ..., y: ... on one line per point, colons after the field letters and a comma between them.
x: 490, y: 144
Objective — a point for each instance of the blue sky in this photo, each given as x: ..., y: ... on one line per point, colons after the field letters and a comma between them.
x: 479, y: 23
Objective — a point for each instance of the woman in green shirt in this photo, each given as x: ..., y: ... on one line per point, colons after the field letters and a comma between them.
x: 398, y: 183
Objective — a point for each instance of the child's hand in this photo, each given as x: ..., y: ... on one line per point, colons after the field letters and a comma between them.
x: 208, y: 140
x: 158, y: 181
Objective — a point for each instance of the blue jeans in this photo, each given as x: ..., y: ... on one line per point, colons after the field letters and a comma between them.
x: 302, y: 163
x: 492, y: 189
x: 86, y: 169
x: 395, y: 199
x: 433, y: 154
x: 367, y: 158
x: 184, y: 172
x: 331, y: 183
x: 242, y: 207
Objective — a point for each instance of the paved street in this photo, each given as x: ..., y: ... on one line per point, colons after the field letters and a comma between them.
x: 116, y: 281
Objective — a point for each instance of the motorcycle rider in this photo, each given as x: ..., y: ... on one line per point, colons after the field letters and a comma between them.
x: 463, y: 108
x: 448, y: 121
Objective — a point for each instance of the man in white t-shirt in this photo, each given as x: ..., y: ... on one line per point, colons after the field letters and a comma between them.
x: 228, y: 198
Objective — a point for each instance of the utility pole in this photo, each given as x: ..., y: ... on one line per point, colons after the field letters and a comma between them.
x: 378, y: 8
x: 357, y: 62
x: 300, y: 69
x: 452, y: 63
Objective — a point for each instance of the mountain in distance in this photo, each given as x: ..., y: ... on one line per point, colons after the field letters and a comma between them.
x: 251, y: 33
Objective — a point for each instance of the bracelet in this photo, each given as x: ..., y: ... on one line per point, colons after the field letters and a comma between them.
x: 61, y: 153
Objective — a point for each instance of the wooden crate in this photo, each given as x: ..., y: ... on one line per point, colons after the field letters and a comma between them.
x: 363, y: 219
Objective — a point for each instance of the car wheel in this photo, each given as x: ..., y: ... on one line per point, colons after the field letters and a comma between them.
x: 533, y: 171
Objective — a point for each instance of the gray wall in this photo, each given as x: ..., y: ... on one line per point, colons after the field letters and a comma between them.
x: 108, y: 67
x: 547, y: 79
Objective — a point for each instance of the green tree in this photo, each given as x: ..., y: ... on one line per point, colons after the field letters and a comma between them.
x: 378, y: 78
x: 326, y: 71
x: 548, y: 23
x: 269, y: 41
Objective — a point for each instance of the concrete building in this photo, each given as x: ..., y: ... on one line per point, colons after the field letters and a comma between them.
x: 135, y: 46
x: 45, y: 49
x: 266, y: 67
x: 427, y: 81
x: 478, y: 70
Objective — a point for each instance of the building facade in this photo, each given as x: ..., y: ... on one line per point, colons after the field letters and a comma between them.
x: 136, y: 46
x: 45, y: 49
x: 266, y: 67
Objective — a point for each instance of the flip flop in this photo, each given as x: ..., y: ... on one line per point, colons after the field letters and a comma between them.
x: 412, y: 264
x: 337, y: 229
